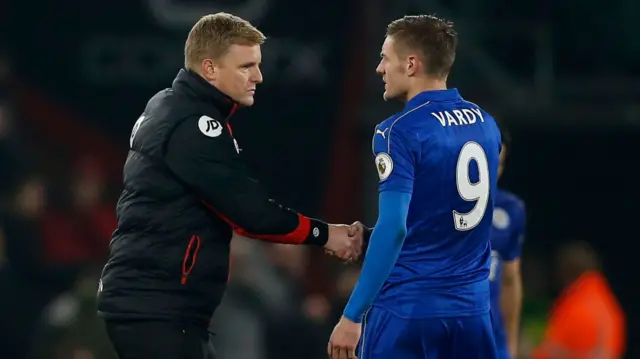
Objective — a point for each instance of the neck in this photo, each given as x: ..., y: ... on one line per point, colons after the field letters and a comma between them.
x: 425, y: 84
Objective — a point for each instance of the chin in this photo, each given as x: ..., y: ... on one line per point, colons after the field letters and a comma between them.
x: 388, y: 96
x: 246, y: 101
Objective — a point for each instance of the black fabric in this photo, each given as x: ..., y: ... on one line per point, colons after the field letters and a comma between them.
x: 159, y: 340
x: 185, y: 186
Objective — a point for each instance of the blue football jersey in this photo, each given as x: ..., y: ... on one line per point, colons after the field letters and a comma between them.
x: 506, y: 244
x: 444, y: 151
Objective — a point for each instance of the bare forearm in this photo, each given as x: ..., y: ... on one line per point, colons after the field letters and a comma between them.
x: 511, y: 303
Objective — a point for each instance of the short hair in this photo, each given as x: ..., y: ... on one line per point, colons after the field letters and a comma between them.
x: 213, y: 35
x: 434, y: 38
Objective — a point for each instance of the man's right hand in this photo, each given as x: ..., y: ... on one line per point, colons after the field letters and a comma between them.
x: 366, y: 234
x: 345, y: 242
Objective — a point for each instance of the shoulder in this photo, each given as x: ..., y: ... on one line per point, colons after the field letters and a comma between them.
x: 477, y: 107
x: 402, y: 124
x: 176, y: 111
x: 178, y: 107
x: 413, y: 119
x: 487, y: 118
x: 509, y: 198
x: 389, y: 133
x: 508, y: 205
x: 389, y: 121
x: 164, y: 103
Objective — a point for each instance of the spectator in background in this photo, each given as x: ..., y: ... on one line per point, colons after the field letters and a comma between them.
x: 344, y: 287
x: 92, y: 208
x: 266, y: 303
x: 304, y: 314
x: 12, y: 155
x: 20, y: 223
x: 587, y: 320
x: 78, y: 232
x: 27, y: 281
x: 239, y: 323
x: 76, y: 238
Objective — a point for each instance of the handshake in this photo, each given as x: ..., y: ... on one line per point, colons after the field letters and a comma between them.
x: 346, y: 242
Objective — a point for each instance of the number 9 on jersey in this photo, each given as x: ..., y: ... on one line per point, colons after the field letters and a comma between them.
x: 472, y: 192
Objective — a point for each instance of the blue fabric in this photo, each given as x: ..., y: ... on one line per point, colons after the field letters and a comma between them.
x: 509, y: 217
x: 384, y: 246
x: 445, y: 152
x: 385, y: 335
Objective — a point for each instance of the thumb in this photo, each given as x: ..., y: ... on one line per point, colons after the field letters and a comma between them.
x: 355, y: 228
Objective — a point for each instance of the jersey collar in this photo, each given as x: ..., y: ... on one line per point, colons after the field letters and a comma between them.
x: 433, y: 95
x: 195, y: 85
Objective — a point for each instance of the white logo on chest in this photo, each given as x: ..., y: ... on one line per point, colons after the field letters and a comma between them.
x: 209, y: 127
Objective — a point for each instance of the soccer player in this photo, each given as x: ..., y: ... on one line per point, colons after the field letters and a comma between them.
x: 424, y: 288
x: 506, y: 244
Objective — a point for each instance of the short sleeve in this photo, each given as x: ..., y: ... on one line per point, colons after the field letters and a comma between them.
x: 394, y: 158
x: 513, y: 248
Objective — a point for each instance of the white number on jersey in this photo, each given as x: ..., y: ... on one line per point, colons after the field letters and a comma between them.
x: 472, y: 192
x: 136, y: 127
x: 493, y: 266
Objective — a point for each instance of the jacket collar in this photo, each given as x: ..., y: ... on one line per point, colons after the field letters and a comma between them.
x: 193, y: 84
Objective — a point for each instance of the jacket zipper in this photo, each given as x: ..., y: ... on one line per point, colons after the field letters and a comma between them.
x: 190, y: 259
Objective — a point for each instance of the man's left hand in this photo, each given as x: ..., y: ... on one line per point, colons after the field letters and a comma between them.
x: 344, y: 340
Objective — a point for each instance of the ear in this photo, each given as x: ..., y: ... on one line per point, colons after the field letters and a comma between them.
x: 208, y: 69
x: 412, y: 65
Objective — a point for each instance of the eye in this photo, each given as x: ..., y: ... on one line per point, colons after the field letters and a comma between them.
x: 247, y: 68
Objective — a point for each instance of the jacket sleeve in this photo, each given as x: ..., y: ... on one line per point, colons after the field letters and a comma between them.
x: 203, y: 155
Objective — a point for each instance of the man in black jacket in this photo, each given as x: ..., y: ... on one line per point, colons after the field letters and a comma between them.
x: 186, y: 190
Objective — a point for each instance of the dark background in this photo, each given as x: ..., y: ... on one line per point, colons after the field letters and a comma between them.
x: 563, y: 75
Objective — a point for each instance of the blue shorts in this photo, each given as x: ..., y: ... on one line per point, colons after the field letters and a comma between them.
x: 385, y: 336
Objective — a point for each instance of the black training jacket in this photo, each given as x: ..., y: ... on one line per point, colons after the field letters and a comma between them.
x: 186, y: 190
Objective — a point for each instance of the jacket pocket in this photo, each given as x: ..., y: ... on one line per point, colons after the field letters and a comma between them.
x: 190, y: 258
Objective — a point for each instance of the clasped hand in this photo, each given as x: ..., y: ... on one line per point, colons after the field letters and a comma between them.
x: 345, y: 242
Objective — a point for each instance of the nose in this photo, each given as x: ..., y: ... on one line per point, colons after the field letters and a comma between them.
x: 380, y: 69
x: 257, y: 76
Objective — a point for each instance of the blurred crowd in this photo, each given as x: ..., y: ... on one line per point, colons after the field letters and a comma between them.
x: 56, y: 219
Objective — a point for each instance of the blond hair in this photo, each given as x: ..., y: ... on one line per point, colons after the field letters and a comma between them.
x: 212, y: 36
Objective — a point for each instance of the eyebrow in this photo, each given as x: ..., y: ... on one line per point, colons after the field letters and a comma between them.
x: 249, y: 64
